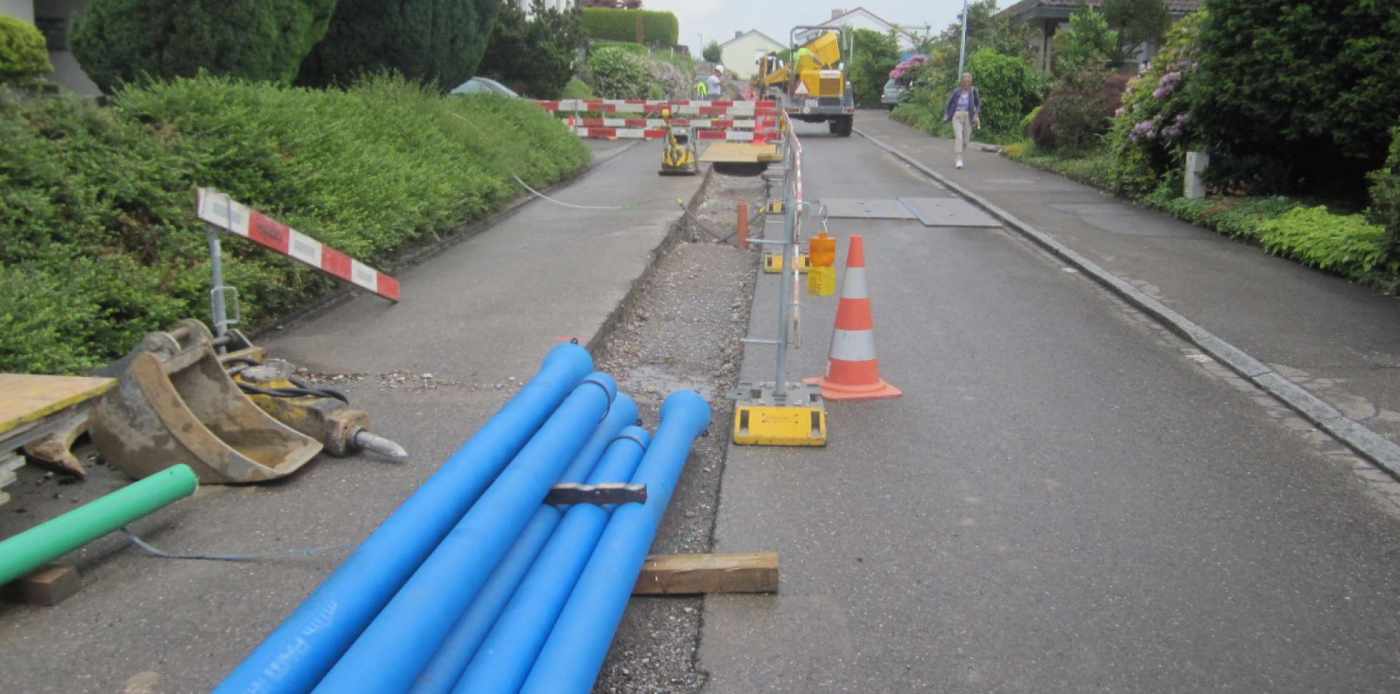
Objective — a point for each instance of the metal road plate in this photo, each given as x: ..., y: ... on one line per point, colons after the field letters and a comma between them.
x: 948, y: 212
x: 865, y: 208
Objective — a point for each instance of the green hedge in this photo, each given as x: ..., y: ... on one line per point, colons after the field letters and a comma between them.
x: 24, y: 55
x: 119, y: 41
x: 657, y: 28
x: 98, y: 242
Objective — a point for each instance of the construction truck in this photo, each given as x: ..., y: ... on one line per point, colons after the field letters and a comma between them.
x: 811, y: 83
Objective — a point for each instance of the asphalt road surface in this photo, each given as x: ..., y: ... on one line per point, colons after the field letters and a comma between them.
x: 1067, y: 498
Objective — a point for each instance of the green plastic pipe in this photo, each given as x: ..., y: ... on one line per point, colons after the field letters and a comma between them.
x: 43, y: 543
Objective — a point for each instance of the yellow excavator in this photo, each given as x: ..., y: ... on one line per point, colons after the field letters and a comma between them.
x: 811, y: 83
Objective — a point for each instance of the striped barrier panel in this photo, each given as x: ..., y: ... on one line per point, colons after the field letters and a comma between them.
x: 596, y: 133
x: 711, y: 123
x: 683, y: 107
x: 221, y: 211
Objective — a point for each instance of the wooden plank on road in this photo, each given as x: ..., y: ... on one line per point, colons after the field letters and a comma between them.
x: 693, y: 574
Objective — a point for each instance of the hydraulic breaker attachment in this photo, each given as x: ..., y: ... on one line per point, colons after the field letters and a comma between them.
x: 322, y: 413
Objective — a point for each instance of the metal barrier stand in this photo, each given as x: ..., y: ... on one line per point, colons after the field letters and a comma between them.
x: 782, y: 412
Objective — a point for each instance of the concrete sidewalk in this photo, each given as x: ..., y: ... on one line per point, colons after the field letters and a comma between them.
x: 1339, y: 341
x: 474, y: 323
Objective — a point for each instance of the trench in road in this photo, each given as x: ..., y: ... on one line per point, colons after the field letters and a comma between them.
x: 1066, y: 498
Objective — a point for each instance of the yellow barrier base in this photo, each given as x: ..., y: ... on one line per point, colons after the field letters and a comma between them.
x: 773, y: 262
x: 759, y: 420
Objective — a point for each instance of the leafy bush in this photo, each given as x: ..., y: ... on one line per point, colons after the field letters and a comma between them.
x: 619, y: 74
x: 1153, y: 128
x: 874, y: 56
x: 534, y: 55
x: 1088, y: 44
x: 1385, y: 195
x: 1024, y: 127
x: 713, y: 53
x: 641, y: 26
x: 119, y: 41
x: 434, y: 41
x: 1009, y: 86
x: 24, y: 55
x: 1297, y: 96
x: 576, y: 89
x: 1078, y: 110
x: 1345, y: 244
x: 96, y: 204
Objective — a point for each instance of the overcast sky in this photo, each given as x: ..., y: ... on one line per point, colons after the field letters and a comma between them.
x: 719, y: 19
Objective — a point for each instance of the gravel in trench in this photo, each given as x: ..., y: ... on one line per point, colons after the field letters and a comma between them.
x: 683, y: 331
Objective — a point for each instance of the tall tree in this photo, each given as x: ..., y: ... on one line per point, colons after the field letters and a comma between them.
x: 120, y: 41
x: 1137, y: 22
x: 535, y: 55
x: 438, y: 41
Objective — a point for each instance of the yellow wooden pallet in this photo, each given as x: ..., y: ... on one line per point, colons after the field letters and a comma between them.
x: 28, y: 398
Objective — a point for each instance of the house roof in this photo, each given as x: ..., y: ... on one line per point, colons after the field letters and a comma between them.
x: 894, y: 27
x: 1062, y: 8
x: 752, y: 32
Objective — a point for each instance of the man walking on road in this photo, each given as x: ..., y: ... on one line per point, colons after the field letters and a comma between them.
x: 965, y: 111
x: 716, y: 82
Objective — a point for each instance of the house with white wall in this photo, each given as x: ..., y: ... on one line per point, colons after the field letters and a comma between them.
x: 740, y: 54
x: 55, y: 20
x: 908, y: 36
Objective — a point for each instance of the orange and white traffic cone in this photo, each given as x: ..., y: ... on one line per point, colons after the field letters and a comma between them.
x: 853, y: 372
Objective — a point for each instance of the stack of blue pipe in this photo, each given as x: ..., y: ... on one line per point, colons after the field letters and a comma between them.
x: 475, y: 585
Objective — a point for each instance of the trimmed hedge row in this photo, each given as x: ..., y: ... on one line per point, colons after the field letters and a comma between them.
x: 98, y: 240
x: 639, y: 26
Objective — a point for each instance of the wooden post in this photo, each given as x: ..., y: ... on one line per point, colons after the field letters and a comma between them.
x: 743, y: 234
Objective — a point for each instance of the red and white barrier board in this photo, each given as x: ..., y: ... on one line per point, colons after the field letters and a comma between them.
x: 679, y: 107
x: 220, y: 210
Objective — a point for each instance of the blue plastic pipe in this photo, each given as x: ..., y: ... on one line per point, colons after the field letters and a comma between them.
x: 446, y: 666
x: 508, y: 652
x: 398, y: 644
x: 305, y: 646
x: 576, y: 648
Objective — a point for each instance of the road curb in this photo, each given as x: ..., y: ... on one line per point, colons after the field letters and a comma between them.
x: 1368, y: 444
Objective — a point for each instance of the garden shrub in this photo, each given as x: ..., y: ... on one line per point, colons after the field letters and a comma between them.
x: 1346, y: 244
x: 1153, y: 127
x: 1078, y: 111
x: 576, y: 89
x: 875, y: 55
x: 1087, y: 44
x: 119, y: 41
x: 551, y: 39
x: 640, y: 26
x: 619, y: 74
x: 96, y: 204
x: 713, y: 53
x: 1009, y: 86
x: 1385, y: 196
x: 1303, y: 93
x: 24, y: 55
x: 433, y: 41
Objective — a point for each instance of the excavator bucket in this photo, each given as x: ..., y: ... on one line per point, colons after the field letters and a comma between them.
x: 175, y: 404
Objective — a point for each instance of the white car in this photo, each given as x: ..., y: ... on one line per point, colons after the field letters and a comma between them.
x: 484, y: 85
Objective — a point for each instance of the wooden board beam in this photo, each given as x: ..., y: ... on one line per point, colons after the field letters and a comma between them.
x: 47, y: 585
x: 695, y: 574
